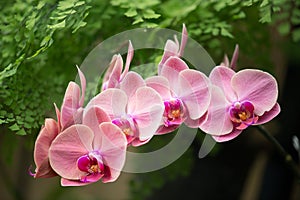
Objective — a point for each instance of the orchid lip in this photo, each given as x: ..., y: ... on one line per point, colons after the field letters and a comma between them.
x: 128, y: 126
x: 174, y: 112
x: 92, y: 164
x: 242, y: 114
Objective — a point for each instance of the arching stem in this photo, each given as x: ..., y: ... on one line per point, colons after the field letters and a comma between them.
x: 287, y: 157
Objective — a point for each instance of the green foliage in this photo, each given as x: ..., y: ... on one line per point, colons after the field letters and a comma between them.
x: 141, y: 11
x: 24, y: 104
x: 288, y: 21
x: 28, y: 27
x: 28, y: 30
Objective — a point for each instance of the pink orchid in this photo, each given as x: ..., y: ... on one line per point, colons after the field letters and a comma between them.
x: 185, y: 92
x: 71, y: 113
x: 248, y: 97
x: 135, y: 108
x: 85, y: 153
x: 114, y: 75
x: 173, y: 49
x: 71, y: 109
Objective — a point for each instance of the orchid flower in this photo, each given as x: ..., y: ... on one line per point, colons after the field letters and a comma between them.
x: 248, y: 97
x: 114, y: 75
x: 185, y: 92
x: 173, y: 48
x: 71, y: 109
x: 135, y: 108
x: 71, y: 112
x: 85, y: 153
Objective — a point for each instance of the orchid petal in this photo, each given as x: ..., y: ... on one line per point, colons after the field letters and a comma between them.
x: 41, y: 149
x: 44, y: 170
x: 161, y: 85
x: 58, y: 114
x: 137, y: 142
x: 113, y: 73
x: 108, y: 72
x: 83, y: 86
x: 129, y: 57
x: 221, y: 76
x: 112, y: 143
x: 194, y: 91
x: 171, y: 70
x: 67, y: 147
x: 95, y: 116
x: 75, y: 119
x: 225, y: 61
x: 146, y: 108
x: 131, y: 82
x: 171, y: 49
x: 113, y: 101
x: 90, y: 179
x: 227, y: 137
x: 164, y: 130
x: 269, y: 115
x: 234, y: 57
x: 195, y: 123
x: 217, y: 121
x: 176, y: 64
x: 110, y: 68
x: 44, y: 140
x: 93, y: 177
x: 256, y: 86
x: 70, y: 103
x: 184, y: 37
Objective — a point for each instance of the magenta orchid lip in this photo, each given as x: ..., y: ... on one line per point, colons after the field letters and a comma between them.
x: 128, y: 126
x: 242, y: 114
x: 91, y: 164
x: 174, y: 112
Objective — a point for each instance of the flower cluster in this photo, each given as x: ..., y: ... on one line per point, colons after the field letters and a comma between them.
x: 86, y: 144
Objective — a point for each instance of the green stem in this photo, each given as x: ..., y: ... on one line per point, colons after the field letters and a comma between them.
x: 287, y: 157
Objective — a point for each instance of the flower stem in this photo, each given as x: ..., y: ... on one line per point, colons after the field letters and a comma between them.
x: 287, y: 157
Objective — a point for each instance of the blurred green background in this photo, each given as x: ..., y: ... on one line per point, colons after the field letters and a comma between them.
x: 42, y: 41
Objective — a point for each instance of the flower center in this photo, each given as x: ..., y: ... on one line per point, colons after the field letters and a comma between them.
x: 94, y: 169
x: 242, y: 114
x: 128, y: 127
x: 174, y: 111
x: 91, y: 164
